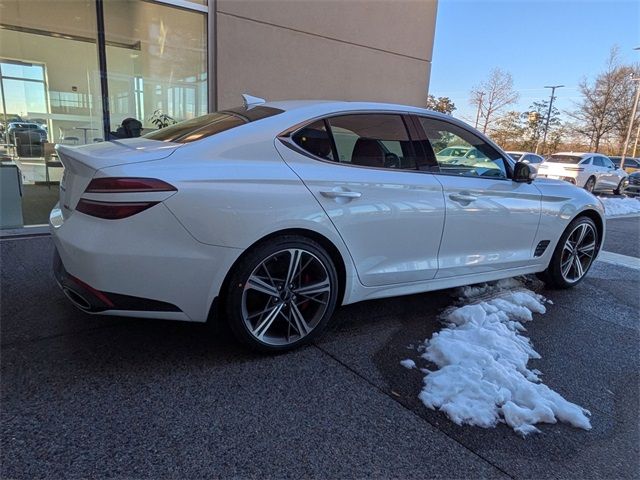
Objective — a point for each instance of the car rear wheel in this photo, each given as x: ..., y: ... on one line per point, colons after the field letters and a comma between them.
x: 282, y: 294
x: 590, y: 185
x: 573, y: 255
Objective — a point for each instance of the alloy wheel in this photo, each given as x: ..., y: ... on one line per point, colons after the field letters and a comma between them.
x: 578, y: 252
x: 286, y: 296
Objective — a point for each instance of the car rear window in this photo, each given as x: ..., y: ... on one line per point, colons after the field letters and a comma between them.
x: 212, y: 123
x: 565, y: 159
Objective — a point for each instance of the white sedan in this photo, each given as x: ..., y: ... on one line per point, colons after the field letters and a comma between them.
x: 592, y: 171
x: 272, y: 214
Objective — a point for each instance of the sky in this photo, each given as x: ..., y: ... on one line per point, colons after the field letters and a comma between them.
x: 540, y: 42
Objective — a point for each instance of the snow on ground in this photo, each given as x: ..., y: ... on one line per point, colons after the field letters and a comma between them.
x: 408, y: 363
x: 482, y: 377
x: 620, y: 206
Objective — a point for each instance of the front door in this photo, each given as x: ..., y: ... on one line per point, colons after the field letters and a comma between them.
x: 612, y: 174
x: 491, y: 221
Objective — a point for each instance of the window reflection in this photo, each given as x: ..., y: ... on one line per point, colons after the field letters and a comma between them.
x: 51, y: 92
x: 156, y: 62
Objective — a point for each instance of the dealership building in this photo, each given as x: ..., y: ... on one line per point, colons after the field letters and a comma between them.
x: 77, y: 68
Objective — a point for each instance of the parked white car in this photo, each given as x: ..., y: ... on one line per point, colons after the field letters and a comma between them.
x: 592, y: 171
x: 272, y: 214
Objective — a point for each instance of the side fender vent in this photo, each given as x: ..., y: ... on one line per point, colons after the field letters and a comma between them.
x: 540, y: 249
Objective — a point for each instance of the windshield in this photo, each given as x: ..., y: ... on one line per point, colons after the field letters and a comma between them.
x: 565, y: 159
x: 210, y: 124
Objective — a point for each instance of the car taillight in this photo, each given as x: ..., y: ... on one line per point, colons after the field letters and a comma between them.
x: 574, y: 169
x: 128, y: 185
x: 114, y: 210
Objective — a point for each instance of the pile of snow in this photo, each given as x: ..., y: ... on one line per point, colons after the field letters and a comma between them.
x: 482, y: 355
x: 614, y: 207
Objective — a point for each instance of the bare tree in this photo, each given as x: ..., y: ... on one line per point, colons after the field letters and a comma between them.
x: 493, y: 95
x: 605, y: 107
x: 628, y: 77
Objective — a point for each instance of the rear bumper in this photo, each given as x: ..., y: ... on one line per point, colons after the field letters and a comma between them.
x: 147, y: 265
x: 91, y: 300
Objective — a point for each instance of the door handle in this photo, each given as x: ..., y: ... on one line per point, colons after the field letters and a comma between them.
x: 462, y: 197
x: 340, y: 194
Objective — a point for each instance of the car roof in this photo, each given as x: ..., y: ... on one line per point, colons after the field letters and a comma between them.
x: 522, y: 153
x: 579, y: 154
x: 339, y: 105
x: 303, y: 110
x: 296, y: 113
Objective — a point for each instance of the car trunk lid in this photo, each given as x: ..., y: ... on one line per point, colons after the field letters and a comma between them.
x: 82, y: 163
x: 559, y: 169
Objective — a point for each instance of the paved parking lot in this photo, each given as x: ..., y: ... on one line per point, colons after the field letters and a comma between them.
x: 86, y: 396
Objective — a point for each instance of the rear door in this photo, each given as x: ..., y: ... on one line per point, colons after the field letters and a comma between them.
x: 491, y: 221
x: 362, y: 170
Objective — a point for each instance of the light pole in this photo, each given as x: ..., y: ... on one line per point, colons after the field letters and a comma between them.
x: 546, y: 124
x: 481, y: 94
x: 631, y: 120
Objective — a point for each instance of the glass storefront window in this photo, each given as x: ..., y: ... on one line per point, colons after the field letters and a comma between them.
x: 156, y: 62
x: 51, y: 94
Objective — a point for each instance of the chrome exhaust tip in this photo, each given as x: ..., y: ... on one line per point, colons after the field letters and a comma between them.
x: 77, y: 299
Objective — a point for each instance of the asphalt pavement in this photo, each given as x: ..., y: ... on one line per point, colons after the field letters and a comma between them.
x: 88, y: 396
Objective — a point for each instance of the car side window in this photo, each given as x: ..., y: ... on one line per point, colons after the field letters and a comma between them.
x: 607, y: 162
x: 460, y: 152
x: 535, y: 159
x: 597, y: 161
x: 315, y: 139
x: 372, y: 140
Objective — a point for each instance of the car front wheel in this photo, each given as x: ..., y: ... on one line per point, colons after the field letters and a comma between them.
x: 620, y: 189
x: 282, y: 294
x: 590, y: 185
x: 573, y: 255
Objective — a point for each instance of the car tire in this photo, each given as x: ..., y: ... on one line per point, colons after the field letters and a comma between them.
x: 590, y: 185
x: 272, y: 309
x: 620, y: 188
x: 572, y: 248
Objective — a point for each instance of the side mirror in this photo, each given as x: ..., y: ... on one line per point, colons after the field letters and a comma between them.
x: 523, y: 173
